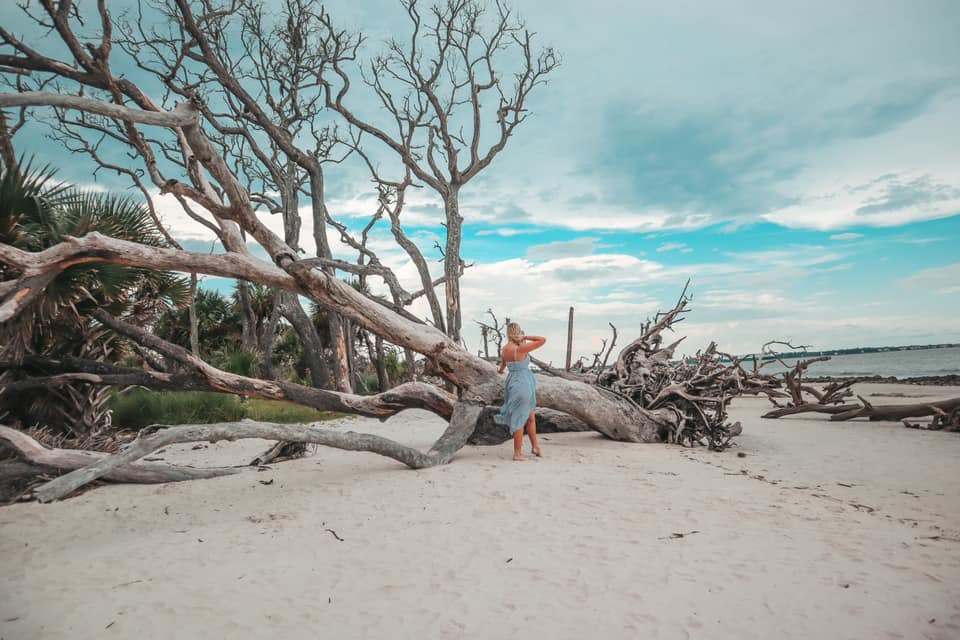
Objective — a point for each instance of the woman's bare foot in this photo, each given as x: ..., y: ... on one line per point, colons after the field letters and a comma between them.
x: 536, y: 452
x: 519, y: 457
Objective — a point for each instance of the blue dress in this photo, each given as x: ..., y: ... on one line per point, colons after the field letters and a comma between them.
x: 520, y: 396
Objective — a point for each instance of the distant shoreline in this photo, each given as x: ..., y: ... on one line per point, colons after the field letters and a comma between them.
x: 847, y: 352
x: 952, y: 380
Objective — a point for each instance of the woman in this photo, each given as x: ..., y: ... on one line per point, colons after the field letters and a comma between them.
x: 520, y: 396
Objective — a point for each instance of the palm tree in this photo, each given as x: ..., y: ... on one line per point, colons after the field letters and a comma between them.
x: 37, y: 213
x: 218, y: 323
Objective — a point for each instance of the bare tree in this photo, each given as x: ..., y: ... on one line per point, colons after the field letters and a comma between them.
x: 441, y: 87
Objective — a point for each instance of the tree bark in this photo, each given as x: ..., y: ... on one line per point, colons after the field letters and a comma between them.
x: 248, y: 321
x: 192, y: 317
x: 453, y: 263
x: 462, y: 422
x: 312, y: 347
x: 184, y: 114
x: 73, y: 459
x: 613, y: 415
x: 890, y: 412
x: 383, y: 381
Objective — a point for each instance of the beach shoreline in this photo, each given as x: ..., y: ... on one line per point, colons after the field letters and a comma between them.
x: 951, y: 380
x: 806, y: 528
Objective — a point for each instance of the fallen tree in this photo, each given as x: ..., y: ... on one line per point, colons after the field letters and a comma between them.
x: 644, y: 398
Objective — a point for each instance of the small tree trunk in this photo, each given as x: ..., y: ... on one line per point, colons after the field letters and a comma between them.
x: 312, y: 346
x: 266, y: 341
x: 348, y: 333
x: 248, y: 331
x: 7, y: 154
x: 383, y: 382
x: 192, y: 315
x: 452, y: 262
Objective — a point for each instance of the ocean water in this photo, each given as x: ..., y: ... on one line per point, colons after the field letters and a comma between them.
x: 900, y: 364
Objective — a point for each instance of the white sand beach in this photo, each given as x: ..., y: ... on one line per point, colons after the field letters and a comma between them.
x: 822, y: 530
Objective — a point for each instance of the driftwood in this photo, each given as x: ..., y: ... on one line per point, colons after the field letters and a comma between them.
x: 490, y: 432
x: 47, y: 459
x: 832, y: 398
x: 464, y: 418
x: 943, y: 419
x: 695, y: 392
x: 888, y: 412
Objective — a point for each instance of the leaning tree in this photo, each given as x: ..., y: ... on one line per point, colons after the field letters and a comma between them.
x: 641, y: 402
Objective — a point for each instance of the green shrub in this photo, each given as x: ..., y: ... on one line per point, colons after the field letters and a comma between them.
x: 139, y: 408
x: 367, y: 384
x: 284, y: 412
x: 240, y: 362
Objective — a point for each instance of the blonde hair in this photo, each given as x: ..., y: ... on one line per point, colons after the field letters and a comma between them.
x: 514, y: 332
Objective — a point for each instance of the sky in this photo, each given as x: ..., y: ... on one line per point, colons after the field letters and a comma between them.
x: 798, y: 163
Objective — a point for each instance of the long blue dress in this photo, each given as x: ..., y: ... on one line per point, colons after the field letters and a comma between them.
x: 520, y: 396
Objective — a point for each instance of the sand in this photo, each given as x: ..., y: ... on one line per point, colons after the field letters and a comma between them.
x: 821, y: 530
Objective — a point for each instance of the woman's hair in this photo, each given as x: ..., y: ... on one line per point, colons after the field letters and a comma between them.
x: 514, y: 332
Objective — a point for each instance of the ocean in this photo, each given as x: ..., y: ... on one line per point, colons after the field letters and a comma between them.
x: 900, y: 364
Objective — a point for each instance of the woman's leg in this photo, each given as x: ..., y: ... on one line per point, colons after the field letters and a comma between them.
x: 532, y: 432
x: 518, y: 444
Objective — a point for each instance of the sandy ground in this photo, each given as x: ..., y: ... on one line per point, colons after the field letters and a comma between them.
x: 820, y: 531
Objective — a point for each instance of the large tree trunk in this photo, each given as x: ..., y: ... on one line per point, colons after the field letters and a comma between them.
x: 613, y: 415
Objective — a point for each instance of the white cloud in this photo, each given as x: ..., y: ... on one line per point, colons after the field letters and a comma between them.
x: 507, y: 232
x: 943, y: 280
x: 673, y: 246
x: 741, y: 299
x: 846, y: 236
x: 923, y: 240
x: 564, y: 249
x: 540, y: 294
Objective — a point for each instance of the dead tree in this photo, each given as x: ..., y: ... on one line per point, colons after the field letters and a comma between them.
x: 636, y: 402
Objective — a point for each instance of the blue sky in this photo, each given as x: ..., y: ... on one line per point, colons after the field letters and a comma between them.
x: 798, y: 162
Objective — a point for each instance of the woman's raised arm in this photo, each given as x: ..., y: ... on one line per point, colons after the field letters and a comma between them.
x: 530, y: 343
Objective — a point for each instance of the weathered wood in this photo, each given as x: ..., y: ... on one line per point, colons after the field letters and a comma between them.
x: 890, y: 412
x: 183, y: 114
x: 895, y: 412
x: 73, y: 459
x: 409, y: 395
x: 490, y: 432
x: 462, y: 422
x: 810, y: 408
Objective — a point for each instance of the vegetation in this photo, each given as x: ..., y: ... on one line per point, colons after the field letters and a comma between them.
x: 138, y: 408
x: 36, y: 213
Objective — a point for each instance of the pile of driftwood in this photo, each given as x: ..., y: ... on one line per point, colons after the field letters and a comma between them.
x: 791, y: 393
x: 696, y: 390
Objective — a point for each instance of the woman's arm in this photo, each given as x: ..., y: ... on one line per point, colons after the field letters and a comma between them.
x: 530, y: 343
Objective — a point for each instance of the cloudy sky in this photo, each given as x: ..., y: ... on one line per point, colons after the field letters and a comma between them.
x: 799, y: 163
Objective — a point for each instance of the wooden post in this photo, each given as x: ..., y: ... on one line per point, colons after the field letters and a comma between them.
x: 569, y: 338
